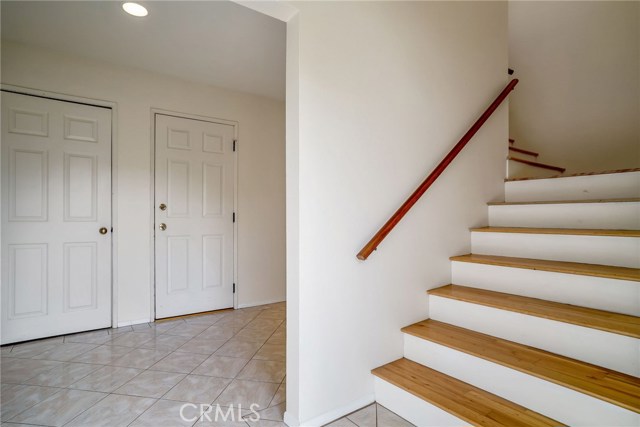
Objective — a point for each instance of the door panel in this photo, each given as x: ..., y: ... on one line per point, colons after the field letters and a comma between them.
x: 195, y: 180
x: 27, y: 280
x: 56, y: 194
x: 80, y: 195
x: 28, y: 180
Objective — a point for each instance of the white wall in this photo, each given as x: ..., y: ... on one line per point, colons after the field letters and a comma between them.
x: 261, y: 204
x: 384, y: 90
x: 578, y: 103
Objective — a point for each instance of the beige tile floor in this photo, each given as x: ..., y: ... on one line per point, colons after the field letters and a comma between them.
x: 374, y: 415
x: 142, y: 375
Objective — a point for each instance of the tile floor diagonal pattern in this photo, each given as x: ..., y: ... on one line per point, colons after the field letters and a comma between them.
x: 374, y: 415
x: 142, y: 375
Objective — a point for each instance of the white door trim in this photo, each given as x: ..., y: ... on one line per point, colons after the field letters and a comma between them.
x: 114, y: 173
x: 152, y: 189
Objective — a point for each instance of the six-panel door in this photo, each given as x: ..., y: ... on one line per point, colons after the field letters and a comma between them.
x: 194, y: 195
x: 56, y: 196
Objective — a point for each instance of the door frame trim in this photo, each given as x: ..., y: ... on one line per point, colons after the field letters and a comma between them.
x: 152, y: 191
x: 56, y: 96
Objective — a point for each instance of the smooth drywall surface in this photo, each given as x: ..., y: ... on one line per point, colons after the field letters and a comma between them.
x: 293, y: 220
x: 578, y: 103
x: 261, y: 174
x: 385, y: 90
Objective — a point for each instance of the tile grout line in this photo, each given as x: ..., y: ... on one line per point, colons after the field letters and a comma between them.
x: 157, y: 400
x: 109, y: 343
x: 82, y: 412
x: 198, y: 419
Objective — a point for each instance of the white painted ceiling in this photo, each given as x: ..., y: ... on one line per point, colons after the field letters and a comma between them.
x: 214, y: 42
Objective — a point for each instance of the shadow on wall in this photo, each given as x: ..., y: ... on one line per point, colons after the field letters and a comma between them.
x: 579, y: 99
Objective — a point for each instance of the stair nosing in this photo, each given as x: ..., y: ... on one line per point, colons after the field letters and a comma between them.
x: 382, y: 373
x: 534, y: 313
x: 594, y: 232
x: 521, y: 368
x: 561, y: 267
x: 576, y: 175
x: 567, y: 202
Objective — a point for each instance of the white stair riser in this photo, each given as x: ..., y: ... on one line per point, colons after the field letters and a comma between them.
x: 617, y: 251
x: 522, y: 170
x: 619, y: 296
x: 614, y: 216
x: 557, y: 402
x: 412, y: 408
x: 613, y: 351
x: 588, y: 187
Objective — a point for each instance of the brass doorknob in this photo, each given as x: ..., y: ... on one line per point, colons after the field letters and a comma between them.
x: 103, y: 230
x: 163, y: 226
x: 163, y: 207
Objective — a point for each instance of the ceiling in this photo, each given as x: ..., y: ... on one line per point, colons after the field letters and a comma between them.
x: 218, y: 43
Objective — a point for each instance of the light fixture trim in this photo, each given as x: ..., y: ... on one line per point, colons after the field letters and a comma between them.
x: 135, y: 9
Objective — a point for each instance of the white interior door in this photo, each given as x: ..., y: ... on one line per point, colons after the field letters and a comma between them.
x: 194, y: 201
x: 56, y: 196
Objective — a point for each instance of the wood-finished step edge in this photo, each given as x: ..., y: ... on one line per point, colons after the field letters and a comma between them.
x: 566, y: 202
x: 576, y: 175
x: 616, y: 323
x: 560, y: 231
x: 527, y: 152
x: 605, y: 384
x: 467, y: 402
x: 537, y: 164
x: 595, y: 270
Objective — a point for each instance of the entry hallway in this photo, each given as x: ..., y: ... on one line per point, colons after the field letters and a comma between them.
x: 141, y: 375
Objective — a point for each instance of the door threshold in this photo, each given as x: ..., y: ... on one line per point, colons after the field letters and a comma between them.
x: 186, y: 316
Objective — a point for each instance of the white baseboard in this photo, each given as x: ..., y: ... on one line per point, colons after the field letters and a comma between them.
x: 337, y: 413
x: 257, y: 303
x: 291, y: 420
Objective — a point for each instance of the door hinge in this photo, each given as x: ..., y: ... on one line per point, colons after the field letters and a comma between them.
x: 234, y: 288
x: 234, y: 144
x: 234, y: 217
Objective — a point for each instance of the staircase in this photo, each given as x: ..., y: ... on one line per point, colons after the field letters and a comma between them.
x: 540, y: 325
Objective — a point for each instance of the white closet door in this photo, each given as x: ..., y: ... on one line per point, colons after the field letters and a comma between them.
x: 56, y: 198
x: 194, y: 195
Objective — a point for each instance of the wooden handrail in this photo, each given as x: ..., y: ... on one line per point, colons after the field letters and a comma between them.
x: 407, y: 205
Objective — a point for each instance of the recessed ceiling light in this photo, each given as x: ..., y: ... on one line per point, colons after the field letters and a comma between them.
x: 135, y: 9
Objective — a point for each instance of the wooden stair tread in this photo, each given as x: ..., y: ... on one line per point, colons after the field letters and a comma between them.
x: 622, y: 324
x: 523, y: 151
x: 566, y: 231
x: 577, y: 174
x: 564, y: 202
x: 537, y: 164
x: 611, y: 386
x: 463, y: 400
x: 607, y: 271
